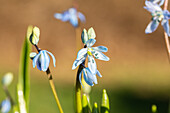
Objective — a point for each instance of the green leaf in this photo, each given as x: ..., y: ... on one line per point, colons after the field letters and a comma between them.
x: 23, y: 87
x: 95, y: 108
x: 105, y: 103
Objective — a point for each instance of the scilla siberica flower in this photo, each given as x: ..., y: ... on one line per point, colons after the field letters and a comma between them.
x: 42, y: 60
x: 70, y: 15
x: 158, y: 15
x: 90, y: 72
x: 5, y: 106
x: 159, y: 2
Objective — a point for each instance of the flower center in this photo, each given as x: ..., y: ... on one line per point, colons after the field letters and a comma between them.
x: 89, y: 51
x: 158, y: 15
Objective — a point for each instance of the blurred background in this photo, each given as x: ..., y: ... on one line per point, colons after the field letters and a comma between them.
x: 137, y: 75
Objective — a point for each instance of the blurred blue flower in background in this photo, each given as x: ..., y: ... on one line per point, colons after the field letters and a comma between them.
x: 159, y: 2
x: 5, y: 106
x: 42, y: 60
x: 158, y: 15
x: 70, y: 15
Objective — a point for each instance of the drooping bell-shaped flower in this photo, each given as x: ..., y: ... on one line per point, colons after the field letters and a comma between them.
x: 70, y: 15
x: 42, y: 60
x: 89, y: 77
x: 158, y: 15
x: 5, y: 106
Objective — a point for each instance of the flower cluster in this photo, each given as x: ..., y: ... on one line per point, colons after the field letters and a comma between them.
x: 158, y: 15
x: 70, y: 15
x: 89, y: 73
x: 42, y: 59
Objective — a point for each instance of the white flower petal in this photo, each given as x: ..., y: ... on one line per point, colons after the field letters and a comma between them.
x: 90, y: 42
x: 92, y: 64
x: 100, y: 56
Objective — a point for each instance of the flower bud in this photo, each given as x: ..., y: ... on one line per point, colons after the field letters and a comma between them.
x: 7, y: 79
x: 105, y: 108
x: 34, y: 37
x: 95, y: 108
x: 91, y: 33
x: 84, y: 36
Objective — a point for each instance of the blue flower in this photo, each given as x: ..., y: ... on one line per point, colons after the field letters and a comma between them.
x: 89, y: 77
x: 5, y: 106
x: 159, y: 2
x: 158, y: 15
x: 89, y: 52
x: 42, y: 60
x: 70, y: 15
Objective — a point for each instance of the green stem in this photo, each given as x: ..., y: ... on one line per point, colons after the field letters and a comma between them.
x: 48, y: 72
x: 78, y: 91
x: 50, y: 78
x: 78, y: 38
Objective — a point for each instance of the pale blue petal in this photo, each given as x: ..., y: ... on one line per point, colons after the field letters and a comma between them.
x: 78, y: 62
x: 99, y: 55
x: 65, y: 16
x: 81, y: 17
x: 74, y: 20
x: 98, y: 73
x: 86, y: 75
x: 54, y: 61
x: 152, y: 26
x: 166, y: 14
x: 73, y: 17
x: 5, y: 106
x: 92, y: 64
x: 35, y: 60
x: 90, y: 42
x: 44, y: 60
x: 58, y: 16
x: 165, y: 24
x: 81, y: 53
x: 151, y: 7
x: 91, y: 76
x: 39, y: 65
x: 100, y: 48
x: 161, y: 2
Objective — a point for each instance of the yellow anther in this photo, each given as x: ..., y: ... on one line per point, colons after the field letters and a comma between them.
x: 89, y: 50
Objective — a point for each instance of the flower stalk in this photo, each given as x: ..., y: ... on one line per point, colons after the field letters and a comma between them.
x: 165, y: 34
x: 50, y: 78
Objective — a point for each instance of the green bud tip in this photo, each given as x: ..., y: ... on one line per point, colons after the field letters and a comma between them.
x: 95, y: 104
x: 154, y: 108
